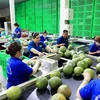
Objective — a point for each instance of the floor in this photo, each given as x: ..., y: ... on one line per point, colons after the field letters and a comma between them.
x: 3, y: 80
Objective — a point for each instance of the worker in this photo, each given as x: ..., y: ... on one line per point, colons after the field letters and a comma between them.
x: 17, y: 71
x: 89, y: 90
x: 95, y: 47
x: 44, y: 37
x: 63, y: 40
x: 17, y: 31
x: 35, y: 47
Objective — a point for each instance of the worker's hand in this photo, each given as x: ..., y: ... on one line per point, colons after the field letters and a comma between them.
x: 38, y: 61
x: 99, y: 76
x: 98, y: 51
x: 87, y: 76
x: 52, y: 51
x: 40, y: 54
x: 62, y: 44
x: 34, y: 58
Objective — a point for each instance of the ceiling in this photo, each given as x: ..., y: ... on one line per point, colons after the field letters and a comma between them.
x: 5, y: 3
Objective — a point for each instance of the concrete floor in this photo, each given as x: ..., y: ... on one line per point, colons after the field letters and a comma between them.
x: 3, y: 80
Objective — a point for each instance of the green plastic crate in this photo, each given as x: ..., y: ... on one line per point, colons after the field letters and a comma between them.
x: 96, y: 28
x: 96, y: 14
x: 89, y: 1
x: 81, y: 8
x: 87, y: 27
x: 89, y: 8
x: 81, y: 2
x: 95, y: 33
x: 81, y: 15
x: 97, y: 1
x: 3, y: 62
x: 80, y: 27
x: 80, y: 33
x: 74, y: 3
x: 96, y: 21
x: 88, y: 21
x: 87, y: 33
x: 97, y: 7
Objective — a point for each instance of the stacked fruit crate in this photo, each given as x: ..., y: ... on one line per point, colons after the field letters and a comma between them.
x: 73, y: 4
x: 83, y: 17
x: 96, y: 19
x: 20, y: 14
x: 30, y: 15
x: 88, y: 18
x: 39, y: 15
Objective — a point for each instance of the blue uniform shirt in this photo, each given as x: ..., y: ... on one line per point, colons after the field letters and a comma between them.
x: 17, y: 72
x: 62, y: 40
x: 91, y: 91
x: 42, y: 38
x: 94, y: 48
x: 39, y: 48
x: 16, y: 32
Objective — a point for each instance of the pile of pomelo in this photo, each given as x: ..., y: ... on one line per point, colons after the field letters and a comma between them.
x: 55, y: 82
x: 79, y: 64
x: 63, y: 51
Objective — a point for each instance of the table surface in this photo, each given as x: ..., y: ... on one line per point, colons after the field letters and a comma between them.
x: 3, y: 41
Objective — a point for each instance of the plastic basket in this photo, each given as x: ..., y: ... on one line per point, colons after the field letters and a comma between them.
x: 81, y: 8
x: 87, y: 33
x: 96, y: 21
x: 89, y: 1
x: 97, y: 7
x: 80, y: 27
x: 87, y: 27
x: 81, y: 2
x: 97, y: 14
x: 88, y: 21
x: 95, y: 33
x: 97, y: 1
x: 96, y: 28
x: 81, y: 15
x: 3, y: 61
x: 89, y: 8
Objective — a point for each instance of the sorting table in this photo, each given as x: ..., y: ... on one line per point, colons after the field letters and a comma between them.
x: 32, y: 93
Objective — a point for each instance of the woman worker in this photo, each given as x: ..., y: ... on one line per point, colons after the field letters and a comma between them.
x: 35, y: 47
x: 44, y: 37
x: 17, y: 71
x: 95, y: 47
x: 17, y: 31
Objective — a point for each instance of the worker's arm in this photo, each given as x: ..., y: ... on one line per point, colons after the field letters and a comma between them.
x: 59, y: 45
x: 84, y: 83
x: 86, y: 80
x: 18, y: 32
x: 92, y: 53
x: 30, y: 60
x: 36, y: 52
x: 36, y: 66
x: 49, y: 49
